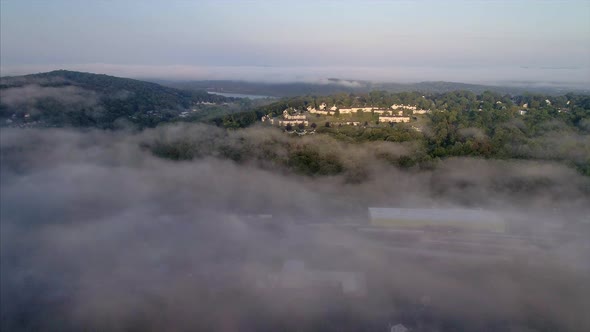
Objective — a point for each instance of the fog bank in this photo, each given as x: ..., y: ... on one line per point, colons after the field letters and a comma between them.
x: 98, y: 233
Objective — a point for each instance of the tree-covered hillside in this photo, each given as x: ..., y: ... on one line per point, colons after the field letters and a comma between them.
x: 461, y: 123
x: 67, y: 98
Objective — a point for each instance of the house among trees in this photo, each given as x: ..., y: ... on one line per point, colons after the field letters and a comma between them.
x: 396, y: 106
x: 316, y: 111
x: 287, y: 116
x: 284, y: 123
x: 420, y: 111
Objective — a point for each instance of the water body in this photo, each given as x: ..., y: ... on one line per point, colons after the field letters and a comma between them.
x: 239, y: 95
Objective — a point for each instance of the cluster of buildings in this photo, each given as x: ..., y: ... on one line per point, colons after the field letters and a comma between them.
x: 293, y: 120
x: 287, y: 116
x: 324, y: 110
x: 395, y: 114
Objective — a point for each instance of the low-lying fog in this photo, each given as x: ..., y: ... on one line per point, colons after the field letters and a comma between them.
x: 100, y: 234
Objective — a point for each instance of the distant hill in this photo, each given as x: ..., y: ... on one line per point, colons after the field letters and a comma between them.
x: 69, y: 98
x: 334, y: 85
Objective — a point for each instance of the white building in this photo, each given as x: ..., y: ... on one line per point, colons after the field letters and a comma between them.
x: 316, y: 111
x: 287, y: 116
x: 421, y: 111
x: 345, y: 110
x: 284, y: 123
x: 396, y: 106
x: 362, y: 109
x: 395, y: 119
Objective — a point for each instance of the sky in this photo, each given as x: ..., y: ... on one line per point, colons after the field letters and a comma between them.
x: 472, y: 41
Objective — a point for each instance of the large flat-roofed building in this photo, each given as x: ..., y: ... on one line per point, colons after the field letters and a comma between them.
x: 395, y: 119
x: 292, y: 122
x: 437, y: 218
x: 296, y: 276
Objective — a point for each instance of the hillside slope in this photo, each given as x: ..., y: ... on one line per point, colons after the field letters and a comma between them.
x: 68, y: 98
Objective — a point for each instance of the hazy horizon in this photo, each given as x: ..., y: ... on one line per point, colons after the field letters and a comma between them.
x: 488, y: 42
x: 343, y: 204
x: 562, y: 77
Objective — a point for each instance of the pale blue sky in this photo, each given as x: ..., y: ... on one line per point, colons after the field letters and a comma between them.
x: 545, y: 36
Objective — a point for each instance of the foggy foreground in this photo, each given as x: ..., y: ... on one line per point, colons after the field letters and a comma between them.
x: 98, y: 234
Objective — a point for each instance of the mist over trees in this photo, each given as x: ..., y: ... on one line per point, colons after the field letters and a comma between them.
x: 464, y: 124
x: 113, y: 223
x: 100, y: 232
x: 295, y: 166
x: 73, y: 99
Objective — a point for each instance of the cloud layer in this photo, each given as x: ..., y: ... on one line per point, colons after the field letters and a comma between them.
x: 97, y: 232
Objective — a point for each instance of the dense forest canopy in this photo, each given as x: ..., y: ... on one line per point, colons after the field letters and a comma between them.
x: 462, y: 123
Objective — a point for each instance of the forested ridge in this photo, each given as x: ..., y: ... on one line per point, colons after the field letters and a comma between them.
x: 461, y: 123
x: 66, y: 98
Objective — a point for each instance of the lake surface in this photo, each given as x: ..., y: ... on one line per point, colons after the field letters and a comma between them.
x: 239, y: 95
